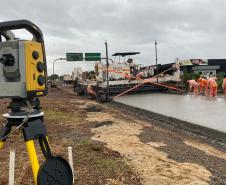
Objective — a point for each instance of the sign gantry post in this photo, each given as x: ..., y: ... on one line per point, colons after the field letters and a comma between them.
x: 156, y: 58
x: 55, y: 62
x: 107, y: 64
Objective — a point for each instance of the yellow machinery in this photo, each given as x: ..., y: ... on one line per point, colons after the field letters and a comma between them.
x: 23, y: 76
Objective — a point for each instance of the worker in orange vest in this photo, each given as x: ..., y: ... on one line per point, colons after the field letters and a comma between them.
x: 202, y: 84
x: 90, y: 90
x: 127, y: 76
x: 140, y: 76
x: 212, y: 85
x: 193, y: 85
x: 224, y: 85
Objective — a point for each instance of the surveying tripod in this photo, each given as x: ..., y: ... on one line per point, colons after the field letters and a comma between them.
x: 26, y: 115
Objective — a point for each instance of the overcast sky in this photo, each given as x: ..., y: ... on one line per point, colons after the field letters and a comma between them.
x: 183, y: 28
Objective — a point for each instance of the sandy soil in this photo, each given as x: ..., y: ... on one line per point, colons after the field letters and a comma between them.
x: 153, y: 165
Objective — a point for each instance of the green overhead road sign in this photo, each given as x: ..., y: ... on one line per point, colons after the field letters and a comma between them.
x: 92, y: 56
x: 74, y: 56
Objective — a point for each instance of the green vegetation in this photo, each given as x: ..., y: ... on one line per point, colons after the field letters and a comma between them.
x: 220, y: 77
x: 95, y: 162
x: 59, y: 116
x: 113, y: 166
x: 85, y: 142
x: 53, y: 77
x: 89, y: 144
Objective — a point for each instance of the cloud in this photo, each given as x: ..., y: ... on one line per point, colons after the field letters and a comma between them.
x: 183, y: 28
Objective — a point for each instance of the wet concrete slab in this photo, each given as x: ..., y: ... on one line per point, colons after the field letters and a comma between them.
x: 199, y: 110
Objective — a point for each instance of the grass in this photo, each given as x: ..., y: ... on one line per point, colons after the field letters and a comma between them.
x: 99, y: 165
x: 113, y: 166
x: 106, y: 161
x: 60, y: 116
x: 87, y: 143
x: 57, y: 115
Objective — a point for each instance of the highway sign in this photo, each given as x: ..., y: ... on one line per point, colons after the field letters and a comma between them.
x: 92, y: 56
x: 74, y: 56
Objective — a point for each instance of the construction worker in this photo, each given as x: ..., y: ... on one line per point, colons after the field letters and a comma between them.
x: 212, y: 86
x: 193, y: 85
x: 127, y: 76
x: 90, y: 90
x: 202, y: 84
x: 140, y: 76
x: 224, y: 85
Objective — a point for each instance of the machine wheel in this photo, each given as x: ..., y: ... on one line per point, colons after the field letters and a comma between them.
x: 101, y: 97
x: 79, y: 91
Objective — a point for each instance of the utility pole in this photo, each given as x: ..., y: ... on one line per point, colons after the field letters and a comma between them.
x: 56, y: 61
x: 107, y: 65
x: 156, y: 59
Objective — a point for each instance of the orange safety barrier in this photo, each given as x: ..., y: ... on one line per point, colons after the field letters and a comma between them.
x: 169, y: 87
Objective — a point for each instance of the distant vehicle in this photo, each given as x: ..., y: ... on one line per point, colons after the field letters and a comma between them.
x: 67, y: 79
x: 53, y: 83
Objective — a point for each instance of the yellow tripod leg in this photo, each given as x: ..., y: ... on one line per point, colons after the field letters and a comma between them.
x: 33, y: 158
x: 2, y: 143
